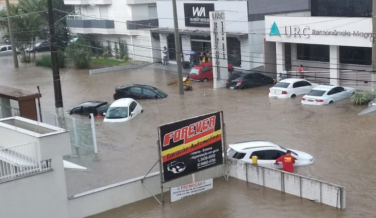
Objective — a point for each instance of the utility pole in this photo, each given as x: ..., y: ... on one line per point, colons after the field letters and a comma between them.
x: 14, y: 51
x: 55, y: 68
x: 373, y: 44
x: 177, y: 48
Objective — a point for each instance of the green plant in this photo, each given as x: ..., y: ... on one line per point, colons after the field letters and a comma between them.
x: 125, y: 58
x: 80, y: 53
x: 105, y: 55
x: 117, y: 51
x: 25, y: 59
x: 361, y: 97
x: 45, y: 60
x: 123, y: 48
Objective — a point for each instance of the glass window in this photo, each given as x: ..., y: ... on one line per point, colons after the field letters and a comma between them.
x: 297, y: 85
x: 136, y: 90
x: 340, y: 89
x: 316, y: 93
x: 149, y: 93
x: 3, y: 49
x: 171, y: 46
x: 238, y: 155
x: 206, y: 69
x: 88, y: 110
x: 313, y: 52
x: 305, y: 83
x: 132, y: 106
x: 333, y: 91
x: 195, y: 71
x: 102, y: 108
x: 268, y: 154
x: 9, y: 47
x: 76, y: 110
x: 234, y: 51
x: 281, y: 85
x: 117, y: 112
x: 260, y: 155
x: 355, y: 55
x: 160, y: 92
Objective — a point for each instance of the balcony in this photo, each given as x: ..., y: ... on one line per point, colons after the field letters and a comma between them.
x: 82, y: 24
x: 142, y: 24
x: 87, y: 2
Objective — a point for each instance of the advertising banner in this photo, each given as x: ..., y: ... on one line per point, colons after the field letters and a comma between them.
x: 191, y: 145
x: 197, y: 15
x: 219, y: 48
x: 183, y: 191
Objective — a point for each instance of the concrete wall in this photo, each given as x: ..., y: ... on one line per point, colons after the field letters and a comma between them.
x: 116, y: 195
x: 304, y: 187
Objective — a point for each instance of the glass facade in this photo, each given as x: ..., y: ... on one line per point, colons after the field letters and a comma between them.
x: 313, y: 52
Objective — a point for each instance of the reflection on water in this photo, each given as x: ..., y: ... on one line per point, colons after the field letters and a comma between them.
x: 341, y: 141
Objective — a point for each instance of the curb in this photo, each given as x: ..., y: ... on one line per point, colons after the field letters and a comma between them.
x: 114, y: 69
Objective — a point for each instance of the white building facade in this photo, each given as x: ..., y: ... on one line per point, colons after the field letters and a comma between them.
x: 109, y: 21
x: 337, y: 50
x: 244, y: 27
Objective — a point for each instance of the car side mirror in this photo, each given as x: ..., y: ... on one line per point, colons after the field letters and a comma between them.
x: 104, y: 114
x: 132, y: 112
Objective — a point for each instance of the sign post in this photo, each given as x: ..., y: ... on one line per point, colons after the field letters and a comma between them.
x: 219, y: 48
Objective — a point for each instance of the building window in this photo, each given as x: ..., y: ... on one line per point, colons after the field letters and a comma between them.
x: 171, y: 47
x: 313, y: 52
x: 234, y: 52
x: 355, y: 55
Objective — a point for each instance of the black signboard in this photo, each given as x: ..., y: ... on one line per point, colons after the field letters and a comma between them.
x: 197, y: 15
x: 191, y: 145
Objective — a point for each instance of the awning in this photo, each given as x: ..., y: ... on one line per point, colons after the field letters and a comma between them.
x: 198, y: 33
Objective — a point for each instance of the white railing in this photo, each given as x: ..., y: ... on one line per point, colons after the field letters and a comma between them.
x: 21, y: 160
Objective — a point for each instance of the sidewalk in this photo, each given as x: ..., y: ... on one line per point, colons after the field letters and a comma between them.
x: 169, y: 67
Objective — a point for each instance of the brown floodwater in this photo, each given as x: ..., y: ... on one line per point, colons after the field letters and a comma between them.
x: 342, y: 143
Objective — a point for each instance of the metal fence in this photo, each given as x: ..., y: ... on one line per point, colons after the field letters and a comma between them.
x: 294, y: 184
x: 21, y: 160
x: 82, y: 133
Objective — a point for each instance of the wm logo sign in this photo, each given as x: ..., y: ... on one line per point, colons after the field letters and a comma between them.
x: 199, y: 11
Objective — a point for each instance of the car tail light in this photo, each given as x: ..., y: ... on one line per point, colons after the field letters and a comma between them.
x: 303, y: 99
x: 319, y: 100
x: 284, y: 93
x: 239, y: 83
x: 99, y: 115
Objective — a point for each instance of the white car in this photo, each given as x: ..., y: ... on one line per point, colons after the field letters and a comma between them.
x: 266, y: 152
x: 327, y: 94
x: 5, y: 50
x: 290, y: 88
x: 122, y: 110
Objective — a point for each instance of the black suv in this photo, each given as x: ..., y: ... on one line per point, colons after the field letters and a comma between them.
x: 137, y: 91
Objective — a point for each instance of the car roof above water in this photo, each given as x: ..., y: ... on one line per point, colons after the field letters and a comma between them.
x: 242, y: 146
x: 292, y: 80
x: 136, y: 85
x: 92, y: 103
x: 123, y: 102
x: 324, y: 87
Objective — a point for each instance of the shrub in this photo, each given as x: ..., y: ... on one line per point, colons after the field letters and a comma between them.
x: 25, y: 59
x: 80, y: 53
x: 45, y: 60
x: 117, y: 56
x: 125, y: 58
x: 123, y: 48
x: 105, y: 55
x: 361, y: 98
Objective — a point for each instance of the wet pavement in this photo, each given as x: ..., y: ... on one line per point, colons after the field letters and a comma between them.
x: 342, y: 143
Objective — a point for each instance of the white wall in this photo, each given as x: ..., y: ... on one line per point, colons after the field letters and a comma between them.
x: 236, y: 13
x: 338, y: 24
x: 116, y: 195
x: 312, y: 189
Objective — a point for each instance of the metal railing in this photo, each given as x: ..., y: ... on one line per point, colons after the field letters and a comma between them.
x: 291, y: 183
x: 21, y: 160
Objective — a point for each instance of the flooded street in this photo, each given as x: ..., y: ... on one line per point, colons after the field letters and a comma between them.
x: 342, y: 143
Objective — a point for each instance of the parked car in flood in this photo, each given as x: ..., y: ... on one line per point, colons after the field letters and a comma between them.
x: 327, y: 94
x: 290, y: 88
x: 137, y: 91
x: 249, y: 80
x: 122, y: 110
x: 204, y: 72
x: 266, y: 152
x: 5, y: 50
x: 97, y: 108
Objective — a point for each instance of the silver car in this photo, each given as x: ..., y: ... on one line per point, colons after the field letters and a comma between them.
x: 5, y: 50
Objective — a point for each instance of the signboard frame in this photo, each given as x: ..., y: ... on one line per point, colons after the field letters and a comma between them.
x: 199, y: 148
x: 197, y: 14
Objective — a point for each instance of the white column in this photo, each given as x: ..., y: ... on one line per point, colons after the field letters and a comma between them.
x: 186, y: 44
x: 334, y: 65
x: 280, y: 56
x: 294, y: 56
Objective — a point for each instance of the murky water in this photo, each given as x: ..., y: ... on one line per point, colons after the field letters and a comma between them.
x: 342, y: 143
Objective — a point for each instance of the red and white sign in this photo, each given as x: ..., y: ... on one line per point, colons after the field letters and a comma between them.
x: 183, y: 191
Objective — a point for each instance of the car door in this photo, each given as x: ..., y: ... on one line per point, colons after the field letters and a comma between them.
x: 206, y: 73
x: 341, y: 93
x: 257, y: 79
x: 9, y: 50
x: 297, y: 88
x: 305, y: 87
x: 249, y: 81
x: 332, y: 95
x: 148, y: 93
x: 267, y: 157
x: 3, y: 51
x: 136, y: 92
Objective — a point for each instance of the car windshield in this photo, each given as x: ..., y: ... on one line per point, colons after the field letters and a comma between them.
x: 316, y: 93
x: 194, y: 71
x: 282, y: 85
x: 117, y: 112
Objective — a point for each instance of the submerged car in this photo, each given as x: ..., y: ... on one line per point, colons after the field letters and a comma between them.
x: 249, y: 80
x: 290, y: 88
x: 137, y: 91
x: 327, y: 94
x: 97, y: 108
x: 122, y: 110
x: 204, y: 72
x: 176, y: 167
x: 266, y: 152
